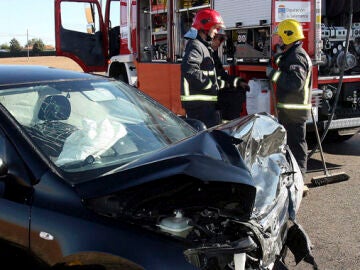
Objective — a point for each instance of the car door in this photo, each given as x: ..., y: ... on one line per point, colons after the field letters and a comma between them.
x: 15, y: 195
x: 81, y: 33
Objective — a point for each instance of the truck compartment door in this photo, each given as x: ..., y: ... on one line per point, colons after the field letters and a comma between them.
x: 81, y: 33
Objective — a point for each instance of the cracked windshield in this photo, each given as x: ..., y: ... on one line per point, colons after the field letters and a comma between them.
x: 87, y: 124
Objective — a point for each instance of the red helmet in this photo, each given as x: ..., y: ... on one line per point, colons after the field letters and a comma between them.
x: 205, y: 19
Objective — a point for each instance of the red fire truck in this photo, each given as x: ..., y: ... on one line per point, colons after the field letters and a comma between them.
x: 141, y: 42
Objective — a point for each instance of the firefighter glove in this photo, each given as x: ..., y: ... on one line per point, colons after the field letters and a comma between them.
x: 243, y: 85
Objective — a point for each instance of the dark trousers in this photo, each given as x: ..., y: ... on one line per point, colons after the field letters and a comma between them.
x: 206, y: 112
x: 230, y: 102
x: 296, y: 139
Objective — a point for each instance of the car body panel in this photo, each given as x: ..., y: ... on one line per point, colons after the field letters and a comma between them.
x: 38, y: 74
x: 93, y: 171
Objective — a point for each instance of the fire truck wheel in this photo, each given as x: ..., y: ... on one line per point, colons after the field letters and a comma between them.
x: 120, y: 77
x: 335, y: 137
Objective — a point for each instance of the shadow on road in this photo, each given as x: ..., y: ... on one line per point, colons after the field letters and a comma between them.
x: 345, y: 148
x: 315, y: 165
x: 338, y: 148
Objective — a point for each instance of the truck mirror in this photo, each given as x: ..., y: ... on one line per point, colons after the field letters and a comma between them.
x: 89, y: 14
x: 90, y: 28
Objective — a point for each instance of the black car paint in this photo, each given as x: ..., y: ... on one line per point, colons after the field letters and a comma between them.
x: 17, y: 74
x: 49, y: 205
x: 41, y: 197
x: 54, y: 200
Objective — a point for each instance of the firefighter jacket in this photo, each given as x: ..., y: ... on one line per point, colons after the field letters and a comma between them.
x: 293, y: 84
x: 198, y: 74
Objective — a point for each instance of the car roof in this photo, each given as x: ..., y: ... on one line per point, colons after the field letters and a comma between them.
x: 20, y: 74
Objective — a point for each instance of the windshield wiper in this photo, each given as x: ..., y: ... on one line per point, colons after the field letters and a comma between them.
x: 79, y: 163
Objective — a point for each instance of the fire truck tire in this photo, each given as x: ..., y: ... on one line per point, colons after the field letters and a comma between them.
x: 331, y: 137
x: 334, y: 137
x: 118, y: 72
x: 120, y: 77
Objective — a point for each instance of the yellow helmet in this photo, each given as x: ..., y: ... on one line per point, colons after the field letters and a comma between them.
x: 289, y: 30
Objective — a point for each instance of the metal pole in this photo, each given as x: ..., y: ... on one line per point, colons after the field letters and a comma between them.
x: 27, y: 42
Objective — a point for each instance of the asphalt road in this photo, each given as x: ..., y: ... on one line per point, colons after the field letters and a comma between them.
x: 330, y: 214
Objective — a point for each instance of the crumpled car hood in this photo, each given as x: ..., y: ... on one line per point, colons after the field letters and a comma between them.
x: 248, y: 150
x: 208, y: 156
x: 232, y: 188
x: 270, y: 162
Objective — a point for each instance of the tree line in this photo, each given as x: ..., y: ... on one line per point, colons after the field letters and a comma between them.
x: 14, y: 46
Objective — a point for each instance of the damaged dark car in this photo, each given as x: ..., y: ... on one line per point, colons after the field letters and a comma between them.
x: 94, y: 174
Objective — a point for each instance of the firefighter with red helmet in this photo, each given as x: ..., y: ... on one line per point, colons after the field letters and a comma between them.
x: 293, y: 87
x: 199, y: 86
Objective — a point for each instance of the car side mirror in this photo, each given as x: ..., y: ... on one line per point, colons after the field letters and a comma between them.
x: 196, y: 124
x: 3, y: 173
x: 3, y: 168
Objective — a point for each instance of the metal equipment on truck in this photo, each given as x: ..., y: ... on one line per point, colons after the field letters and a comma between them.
x: 141, y: 42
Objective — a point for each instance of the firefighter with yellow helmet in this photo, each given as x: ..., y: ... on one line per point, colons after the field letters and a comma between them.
x: 199, y: 86
x: 292, y: 78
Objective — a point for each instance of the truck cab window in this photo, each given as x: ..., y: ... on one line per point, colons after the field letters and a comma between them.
x: 114, y: 28
x: 87, y: 23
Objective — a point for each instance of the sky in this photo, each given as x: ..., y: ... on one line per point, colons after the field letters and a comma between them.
x: 27, y: 19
